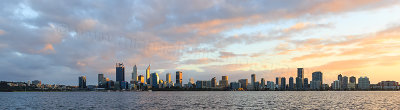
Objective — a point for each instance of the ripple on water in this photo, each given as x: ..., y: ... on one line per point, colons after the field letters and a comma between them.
x: 201, y: 100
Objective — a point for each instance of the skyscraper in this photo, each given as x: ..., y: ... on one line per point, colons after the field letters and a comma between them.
x: 101, y: 80
x: 300, y: 78
x: 345, y: 82
x: 243, y: 83
x: 154, y: 80
x: 305, y: 85
x: 213, y: 82
x: 253, y: 81
x: 134, y: 74
x: 352, y: 83
x: 363, y: 83
x: 340, y: 79
x: 141, y: 79
x: 148, y: 75
x: 120, y: 72
x: 278, y: 82
x: 179, y: 78
x: 262, y: 83
x: 224, y: 81
x: 82, y: 82
x: 316, y: 83
x: 168, y: 78
x: 283, y: 83
x: 291, y: 83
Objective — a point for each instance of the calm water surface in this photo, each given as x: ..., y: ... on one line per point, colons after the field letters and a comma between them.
x: 201, y: 100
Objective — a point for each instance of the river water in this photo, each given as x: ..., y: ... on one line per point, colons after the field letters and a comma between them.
x: 202, y: 100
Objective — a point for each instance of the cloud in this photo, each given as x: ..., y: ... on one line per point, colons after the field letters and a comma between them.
x: 311, y: 56
x: 159, y: 33
x: 229, y: 54
x: 2, y: 32
x: 200, y: 61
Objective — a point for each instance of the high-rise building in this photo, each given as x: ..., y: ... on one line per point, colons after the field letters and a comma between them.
x: 243, y: 83
x: 340, y: 79
x: 253, y: 81
x: 363, y: 83
x: 168, y: 78
x: 148, y: 75
x: 224, y: 82
x: 353, y: 79
x: 291, y: 83
x: 352, y: 83
x: 213, y: 82
x: 283, y: 83
x: 278, y: 82
x: 101, y: 80
x: 299, y: 83
x: 154, y: 80
x: 336, y: 85
x: 235, y: 85
x: 141, y: 79
x: 316, y: 83
x: 179, y: 78
x: 120, y: 72
x: 134, y: 74
x: 82, y: 82
x: 270, y: 85
x: 262, y: 83
x: 300, y: 78
x: 306, y: 85
x: 345, y: 82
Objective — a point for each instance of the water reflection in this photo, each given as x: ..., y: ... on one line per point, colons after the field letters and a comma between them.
x: 201, y: 100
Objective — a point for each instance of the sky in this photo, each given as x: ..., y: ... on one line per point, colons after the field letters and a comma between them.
x: 58, y: 41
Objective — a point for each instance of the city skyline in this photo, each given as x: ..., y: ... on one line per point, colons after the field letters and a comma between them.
x: 57, y: 41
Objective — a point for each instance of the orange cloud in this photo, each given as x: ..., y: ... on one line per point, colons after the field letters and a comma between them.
x: 48, y: 48
x: 2, y: 32
x: 311, y: 56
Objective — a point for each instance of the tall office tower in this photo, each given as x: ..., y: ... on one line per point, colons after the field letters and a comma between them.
x: 253, y: 81
x: 363, y: 83
x: 340, y: 78
x: 299, y: 82
x: 179, y: 78
x: 278, y: 82
x: 101, y: 80
x: 82, y: 82
x: 300, y: 78
x: 119, y: 72
x: 224, y: 81
x: 262, y: 83
x: 352, y: 83
x: 291, y: 83
x: 243, y: 83
x: 316, y: 83
x: 283, y: 83
x: 168, y: 78
x: 270, y: 85
x: 305, y: 85
x: 213, y: 82
x: 141, y: 79
x: 148, y: 75
x: 154, y: 80
x: 345, y: 82
x: 134, y: 73
x: 336, y: 85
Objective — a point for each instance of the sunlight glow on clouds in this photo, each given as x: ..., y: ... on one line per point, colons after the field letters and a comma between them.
x: 56, y: 41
